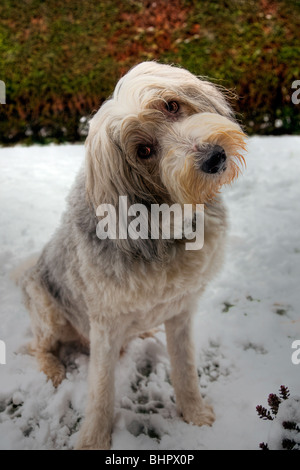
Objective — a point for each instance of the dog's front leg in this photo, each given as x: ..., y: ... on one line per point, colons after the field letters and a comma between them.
x: 184, y: 371
x: 95, y: 432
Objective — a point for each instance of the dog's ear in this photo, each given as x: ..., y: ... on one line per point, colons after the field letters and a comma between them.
x: 103, y: 159
x: 112, y: 166
x: 111, y: 171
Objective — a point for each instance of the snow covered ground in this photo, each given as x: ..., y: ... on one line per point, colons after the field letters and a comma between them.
x: 244, y: 330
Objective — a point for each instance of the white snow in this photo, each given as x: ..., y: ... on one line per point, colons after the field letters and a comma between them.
x: 247, y: 320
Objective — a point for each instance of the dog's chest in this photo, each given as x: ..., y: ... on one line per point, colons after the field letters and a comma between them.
x: 152, y: 294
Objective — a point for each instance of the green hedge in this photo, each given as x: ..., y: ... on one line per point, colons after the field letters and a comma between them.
x: 60, y: 59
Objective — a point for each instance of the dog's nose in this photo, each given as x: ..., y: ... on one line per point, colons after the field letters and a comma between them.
x: 215, y: 161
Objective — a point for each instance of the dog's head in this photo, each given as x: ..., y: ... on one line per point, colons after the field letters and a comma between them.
x: 164, y: 136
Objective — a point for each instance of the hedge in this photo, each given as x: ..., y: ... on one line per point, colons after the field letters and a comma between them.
x: 61, y: 59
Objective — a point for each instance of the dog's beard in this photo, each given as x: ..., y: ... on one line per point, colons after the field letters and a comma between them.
x: 181, y: 173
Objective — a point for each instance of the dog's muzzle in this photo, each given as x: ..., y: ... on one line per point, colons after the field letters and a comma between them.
x: 215, y: 160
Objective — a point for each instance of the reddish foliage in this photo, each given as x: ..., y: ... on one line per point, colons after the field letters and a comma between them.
x: 269, y: 7
x: 149, y: 31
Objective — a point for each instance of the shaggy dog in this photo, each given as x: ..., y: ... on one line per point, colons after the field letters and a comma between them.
x: 164, y: 137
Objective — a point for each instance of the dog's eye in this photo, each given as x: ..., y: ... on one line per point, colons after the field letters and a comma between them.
x: 172, y: 107
x: 145, y: 151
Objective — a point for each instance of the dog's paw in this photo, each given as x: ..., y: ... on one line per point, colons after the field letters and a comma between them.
x: 91, y: 446
x: 92, y: 441
x: 201, y: 415
x: 52, y: 367
x: 58, y: 376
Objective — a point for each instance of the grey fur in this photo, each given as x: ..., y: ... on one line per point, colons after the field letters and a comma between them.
x: 105, y: 292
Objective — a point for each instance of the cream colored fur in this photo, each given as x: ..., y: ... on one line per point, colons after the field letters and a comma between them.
x: 105, y: 292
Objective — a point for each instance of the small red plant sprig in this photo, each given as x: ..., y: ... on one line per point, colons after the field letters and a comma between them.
x: 265, y: 414
x: 273, y: 402
x: 284, y: 392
